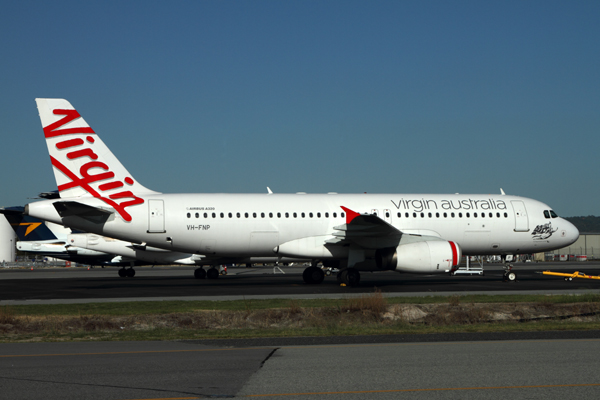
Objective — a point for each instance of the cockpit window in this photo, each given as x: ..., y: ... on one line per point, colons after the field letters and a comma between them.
x: 547, y: 214
x: 553, y: 214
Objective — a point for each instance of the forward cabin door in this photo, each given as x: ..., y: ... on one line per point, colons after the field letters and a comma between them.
x: 521, y: 218
x: 156, y: 216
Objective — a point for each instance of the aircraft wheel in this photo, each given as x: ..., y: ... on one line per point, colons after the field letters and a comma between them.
x: 199, y: 273
x: 212, y: 273
x: 328, y: 272
x: 352, y: 277
x: 313, y: 275
x: 130, y: 273
x: 122, y: 272
x: 511, y: 276
x: 570, y: 278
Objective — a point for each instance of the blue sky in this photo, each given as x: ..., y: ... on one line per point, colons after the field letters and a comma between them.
x: 314, y: 96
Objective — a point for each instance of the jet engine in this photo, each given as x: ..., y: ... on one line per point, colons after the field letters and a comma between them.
x: 421, y: 257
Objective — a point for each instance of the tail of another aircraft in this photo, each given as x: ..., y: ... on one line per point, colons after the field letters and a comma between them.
x: 28, y: 229
x: 83, y: 165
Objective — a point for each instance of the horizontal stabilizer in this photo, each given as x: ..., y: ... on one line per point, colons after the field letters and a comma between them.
x: 75, y: 209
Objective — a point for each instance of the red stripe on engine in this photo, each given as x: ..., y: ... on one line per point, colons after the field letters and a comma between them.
x: 454, y: 254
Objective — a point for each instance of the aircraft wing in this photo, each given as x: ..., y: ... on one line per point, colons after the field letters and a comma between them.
x: 365, y: 230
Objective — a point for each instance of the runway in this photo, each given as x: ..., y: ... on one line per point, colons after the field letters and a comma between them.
x: 543, y: 369
x: 72, y: 285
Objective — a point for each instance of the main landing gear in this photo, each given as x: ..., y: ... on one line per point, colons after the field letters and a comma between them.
x: 212, y: 273
x: 313, y: 275
x: 348, y: 277
x: 127, y: 272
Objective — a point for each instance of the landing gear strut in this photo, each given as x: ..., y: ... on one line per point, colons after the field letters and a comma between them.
x: 508, y: 275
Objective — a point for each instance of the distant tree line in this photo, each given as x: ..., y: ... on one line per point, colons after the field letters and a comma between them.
x: 587, y: 224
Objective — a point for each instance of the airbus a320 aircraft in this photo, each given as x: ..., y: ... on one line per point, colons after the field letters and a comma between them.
x: 417, y: 233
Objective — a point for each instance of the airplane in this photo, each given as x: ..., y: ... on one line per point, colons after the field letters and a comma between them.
x: 53, y: 240
x: 49, y: 240
x: 416, y: 233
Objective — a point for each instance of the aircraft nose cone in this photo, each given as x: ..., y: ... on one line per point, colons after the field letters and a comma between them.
x: 571, y: 233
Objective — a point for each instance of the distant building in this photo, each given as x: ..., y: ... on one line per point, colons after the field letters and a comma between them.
x: 7, y: 241
x: 588, y: 245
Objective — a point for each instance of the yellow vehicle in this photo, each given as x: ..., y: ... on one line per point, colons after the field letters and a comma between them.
x: 570, y: 276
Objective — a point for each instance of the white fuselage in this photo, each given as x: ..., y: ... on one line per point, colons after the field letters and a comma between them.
x: 267, y: 225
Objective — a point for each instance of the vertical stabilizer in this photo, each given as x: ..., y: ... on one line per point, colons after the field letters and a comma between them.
x: 83, y: 165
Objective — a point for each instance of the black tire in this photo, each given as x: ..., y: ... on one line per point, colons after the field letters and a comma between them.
x: 130, y: 273
x: 212, y: 273
x: 313, y: 275
x: 511, y: 276
x: 352, y: 277
x: 199, y: 273
x: 122, y: 273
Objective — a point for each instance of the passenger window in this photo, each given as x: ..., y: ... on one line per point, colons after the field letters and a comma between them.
x: 505, y: 215
x: 437, y: 215
x: 422, y: 215
x: 468, y: 215
x: 246, y: 215
x: 318, y: 215
x: 482, y: 215
x: 270, y: 215
x: 310, y: 215
x: 406, y: 215
x: 295, y: 215
x: 189, y: 215
x: 222, y: 215
x: 429, y: 215
x: 287, y: 215
x: 459, y: 215
x: 342, y: 215
x: 474, y: 215
x: 302, y: 215
x: 197, y: 215
x: 230, y: 215
x: 414, y: 215
x: 262, y: 215
x: 237, y: 215
x: 205, y: 215
x: 387, y: 215
x: 497, y: 215
x: 452, y: 215
x: 278, y: 215
x: 254, y: 215
x: 326, y: 215
x: 491, y: 215
x: 445, y: 215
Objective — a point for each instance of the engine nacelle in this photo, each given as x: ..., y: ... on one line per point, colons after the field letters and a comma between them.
x: 421, y: 257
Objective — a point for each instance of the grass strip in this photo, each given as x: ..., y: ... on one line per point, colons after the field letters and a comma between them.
x: 180, y: 306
